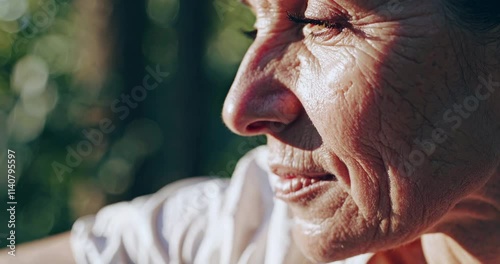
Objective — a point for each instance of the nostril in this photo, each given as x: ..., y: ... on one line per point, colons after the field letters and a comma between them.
x: 265, y: 127
x: 257, y: 126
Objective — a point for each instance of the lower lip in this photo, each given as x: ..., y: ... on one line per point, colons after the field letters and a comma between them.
x: 298, y: 188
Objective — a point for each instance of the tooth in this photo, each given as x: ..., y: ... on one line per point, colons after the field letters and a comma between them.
x: 306, y: 182
x: 286, y: 187
x: 296, y: 184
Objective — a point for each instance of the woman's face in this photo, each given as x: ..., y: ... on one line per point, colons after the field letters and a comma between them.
x: 376, y: 93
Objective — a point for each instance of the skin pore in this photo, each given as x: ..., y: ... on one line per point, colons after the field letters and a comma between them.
x: 395, y: 102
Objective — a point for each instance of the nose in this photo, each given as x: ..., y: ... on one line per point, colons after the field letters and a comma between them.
x: 258, y: 101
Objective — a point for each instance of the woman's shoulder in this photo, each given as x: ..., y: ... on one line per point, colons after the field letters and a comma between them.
x: 184, y: 221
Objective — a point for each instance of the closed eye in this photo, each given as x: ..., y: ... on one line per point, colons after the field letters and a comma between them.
x: 322, y: 30
x: 339, y: 22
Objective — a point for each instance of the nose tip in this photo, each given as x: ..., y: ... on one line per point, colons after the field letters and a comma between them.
x: 253, y: 114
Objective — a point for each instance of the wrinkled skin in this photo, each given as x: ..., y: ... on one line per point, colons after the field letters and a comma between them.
x: 353, y: 102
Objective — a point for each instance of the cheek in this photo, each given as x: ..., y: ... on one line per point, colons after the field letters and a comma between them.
x: 344, y: 107
x: 366, y: 124
x: 335, y: 92
x: 323, y: 85
x: 337, y: 95
x: 368, y: 112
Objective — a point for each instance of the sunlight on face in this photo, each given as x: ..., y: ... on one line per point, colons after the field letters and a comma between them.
x: 350, y: 89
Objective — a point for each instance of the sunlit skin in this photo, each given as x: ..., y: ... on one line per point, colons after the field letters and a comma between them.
x: 352, y: 96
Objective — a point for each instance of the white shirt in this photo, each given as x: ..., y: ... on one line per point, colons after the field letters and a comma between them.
x: 202, y: 220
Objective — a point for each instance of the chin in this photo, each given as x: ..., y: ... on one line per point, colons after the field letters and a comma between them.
x: 328, y: 230
x: 332, y: 227
x: 323, y: 247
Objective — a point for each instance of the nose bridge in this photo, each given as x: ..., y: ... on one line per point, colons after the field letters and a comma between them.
x: 261, y: 97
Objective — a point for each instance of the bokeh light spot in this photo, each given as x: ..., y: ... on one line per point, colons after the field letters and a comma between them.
x: 12, y: 9
x: 30, y: 76
x: 115, y: 176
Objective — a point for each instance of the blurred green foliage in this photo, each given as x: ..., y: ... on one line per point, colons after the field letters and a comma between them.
x: 66, y: 65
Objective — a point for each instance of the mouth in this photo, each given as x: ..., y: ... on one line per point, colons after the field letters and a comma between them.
x: 294, y: 185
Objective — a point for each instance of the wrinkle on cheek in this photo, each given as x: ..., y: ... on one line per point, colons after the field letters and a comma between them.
x: 324, y: 81
x: 309, y: 80
x: 354, y: 95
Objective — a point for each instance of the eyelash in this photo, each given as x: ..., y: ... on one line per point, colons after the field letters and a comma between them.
x: 339, y: 23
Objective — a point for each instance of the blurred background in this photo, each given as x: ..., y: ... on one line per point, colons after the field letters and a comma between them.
x: 107, y: 100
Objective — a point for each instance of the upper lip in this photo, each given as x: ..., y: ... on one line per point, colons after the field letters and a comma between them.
x: 289, y: 162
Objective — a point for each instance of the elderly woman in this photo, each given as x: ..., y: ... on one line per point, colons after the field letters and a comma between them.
x: 383, y: 136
